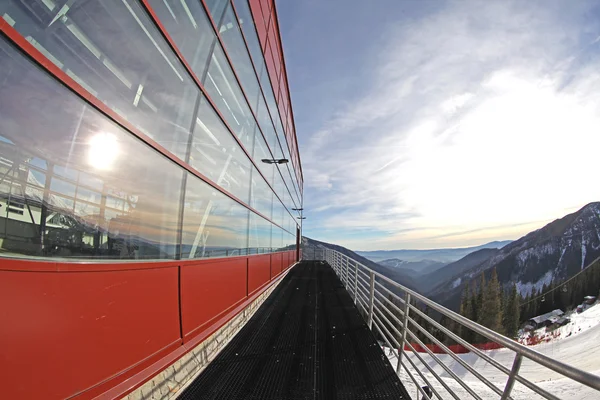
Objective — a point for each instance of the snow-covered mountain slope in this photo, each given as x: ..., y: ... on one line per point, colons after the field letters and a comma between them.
x: 555, y: 252
x: 414, y: 268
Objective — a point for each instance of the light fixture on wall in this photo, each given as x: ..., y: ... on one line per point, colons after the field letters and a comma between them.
x: 275, y: 160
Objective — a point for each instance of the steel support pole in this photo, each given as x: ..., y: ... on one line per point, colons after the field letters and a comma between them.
x: 404, y: 328
x: 371, y: 297
x: 511, y: 378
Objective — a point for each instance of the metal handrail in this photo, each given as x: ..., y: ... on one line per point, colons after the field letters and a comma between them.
x: 354, y: 276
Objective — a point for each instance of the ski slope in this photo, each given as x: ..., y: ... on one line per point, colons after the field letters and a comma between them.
x: 581, y: 350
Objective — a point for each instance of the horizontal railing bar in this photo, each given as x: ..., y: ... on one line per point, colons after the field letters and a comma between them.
x: 405, y: 367
x: 460, y: 340
x: 431, y: 370
x: 397, y: 297
x: 402, y: 350
x: 536, y: 388
x: 392, y: 304
x: 365, y: 281
x: 390, y: 313
x: 440, y: 362
x: 396, y: 353
x: 457, y: 358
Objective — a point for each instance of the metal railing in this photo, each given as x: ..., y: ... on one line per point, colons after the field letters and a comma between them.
x: 388, y: 314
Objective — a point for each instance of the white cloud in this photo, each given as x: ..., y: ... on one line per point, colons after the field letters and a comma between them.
x: 468, y: 126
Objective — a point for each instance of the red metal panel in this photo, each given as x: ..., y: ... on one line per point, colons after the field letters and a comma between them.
x: 272, y: 41
x: 209, y: 289
x: 259, y: 271
x: 265, y: 6
x: 275, y: 264
x: 261, y: 27
x: 272, y: 70
x: 62, y: 333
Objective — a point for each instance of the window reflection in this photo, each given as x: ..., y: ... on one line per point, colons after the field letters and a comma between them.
x: 190, y: 29
x: 236, y: 49
x: 124, y: 205
x: 260, y: 234
x: 223, y: 89
x: 213, y: 224
x: 216, y: 154
x: 247, y: 24
x: 139, y: 78
x: 261, y: 196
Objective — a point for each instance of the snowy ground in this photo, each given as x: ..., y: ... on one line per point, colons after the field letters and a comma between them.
x: 581, y: 349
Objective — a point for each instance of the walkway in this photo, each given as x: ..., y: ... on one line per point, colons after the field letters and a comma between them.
x: 307, y: 341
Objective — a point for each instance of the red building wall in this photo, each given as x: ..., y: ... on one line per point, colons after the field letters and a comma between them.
x: 78, y: 330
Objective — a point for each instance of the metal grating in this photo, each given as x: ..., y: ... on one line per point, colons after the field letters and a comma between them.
x: 307, y: 341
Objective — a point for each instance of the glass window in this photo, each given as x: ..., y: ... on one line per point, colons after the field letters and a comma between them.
x: 265, y: 83
x: 277, y: 238
x: 216, y: 154
x: 223, y: 89
x: 216, y: 8
x: 213, y: 224
x: 261, y: 198
x: 238, y: 54
x: 46, y: 128
x: 113, y: 50
x: 191, y: 30
x: 261, y: 152
x: 247, y: 23
x: 266, y: 125
x: 260, y: 234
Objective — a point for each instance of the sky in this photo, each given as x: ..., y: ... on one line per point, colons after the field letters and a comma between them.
x: 434, y: 124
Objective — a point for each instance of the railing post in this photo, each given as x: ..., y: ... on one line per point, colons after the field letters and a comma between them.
x: 511, y: 378
x: 346, y: 269
x: 404, y: 328
x: 371, y: 297
x: 355, y: 282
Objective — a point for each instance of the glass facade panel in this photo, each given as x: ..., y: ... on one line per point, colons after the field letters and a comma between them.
x: 266, y: 125
x: 84, y: 217
x: 216, y: 8
x: 223, y: 89
x: 191, y: 30
x: 139, y: 78
x: 77, y: 185
x: 249, y: 30
x: 236, y: 49
x: 260, y: 234
x: 217, y: 155
x: 213, y: 224
x: 261, y: 198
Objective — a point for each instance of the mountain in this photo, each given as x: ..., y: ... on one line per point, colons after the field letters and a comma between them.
x: 415, y: 268
x: 456, y: 269
x: 555, y: 252
x: 309, y: 246
x: 439, y: 255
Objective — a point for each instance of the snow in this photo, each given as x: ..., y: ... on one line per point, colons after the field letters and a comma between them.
x: 526, y: 288
x: 583, y: 253
x: 580, y: 349
x: 456, y: 283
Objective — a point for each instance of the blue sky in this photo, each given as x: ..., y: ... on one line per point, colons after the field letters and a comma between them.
x: 442, y: 124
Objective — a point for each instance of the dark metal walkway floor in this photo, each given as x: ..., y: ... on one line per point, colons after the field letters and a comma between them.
x: 307, y: 341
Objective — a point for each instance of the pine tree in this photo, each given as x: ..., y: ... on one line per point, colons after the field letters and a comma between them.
x: 466, y: 310
x: 490, y: 314
x: 511, y: 313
